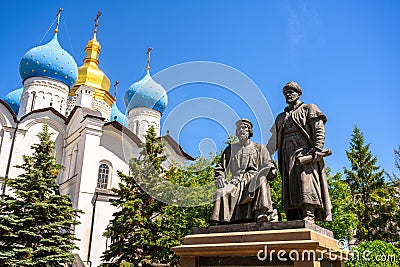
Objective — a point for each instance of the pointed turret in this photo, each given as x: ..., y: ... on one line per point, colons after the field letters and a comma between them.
x: 91, y: 90
x: 145, y: 101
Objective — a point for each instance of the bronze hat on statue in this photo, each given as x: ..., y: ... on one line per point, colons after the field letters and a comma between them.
x: 292, y: 85
x: 244, y: 120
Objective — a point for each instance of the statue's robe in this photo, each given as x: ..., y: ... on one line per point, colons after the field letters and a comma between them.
x: 297, y: 132
x: 247, y: 192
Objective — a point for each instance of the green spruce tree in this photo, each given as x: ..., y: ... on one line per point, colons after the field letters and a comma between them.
x: 133, y: 230
x: 144, y: 229
x: 36, y: 220
x: 374, y: 199
x: 395, y: 178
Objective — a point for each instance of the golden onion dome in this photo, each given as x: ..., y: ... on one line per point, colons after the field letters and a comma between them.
x: 90, y: 75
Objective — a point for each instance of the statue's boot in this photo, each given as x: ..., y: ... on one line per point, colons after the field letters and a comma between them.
x: 262, y: 216
x: 309, y: 213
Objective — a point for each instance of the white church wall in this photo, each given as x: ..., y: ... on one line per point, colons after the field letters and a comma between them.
x: 74, y: 142
x: 87, y: 167
x: 33, y: 124
x: 7, y: 130
x: 173, y: 156
x: 118, y: 148
x: 82, y: 231
x: 104, y: 212
x: 4, y: 148
x: 6, y: 118
x: 69, y: 180
x: 71, y: 103
x: 81, y: 146
x: 141, y: 118
x: 26, y: 136
x: 75, y: 123
x: 42, y: 92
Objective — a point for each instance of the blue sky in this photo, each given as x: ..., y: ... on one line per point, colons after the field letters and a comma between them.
x: 344, y: 54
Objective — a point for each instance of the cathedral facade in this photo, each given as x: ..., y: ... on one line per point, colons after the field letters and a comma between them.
x: 93, y: 138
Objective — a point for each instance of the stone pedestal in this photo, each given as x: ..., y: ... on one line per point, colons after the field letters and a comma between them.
x: 295, y: 243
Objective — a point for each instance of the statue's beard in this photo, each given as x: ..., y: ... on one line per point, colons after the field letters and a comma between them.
x: 243, y: 136
x: 291, y: 101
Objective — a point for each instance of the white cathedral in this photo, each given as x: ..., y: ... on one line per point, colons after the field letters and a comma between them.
x: 93, y: 137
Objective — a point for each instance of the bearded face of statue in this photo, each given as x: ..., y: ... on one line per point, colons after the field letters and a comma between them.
x: 291, y: 96
x: 243, y: 131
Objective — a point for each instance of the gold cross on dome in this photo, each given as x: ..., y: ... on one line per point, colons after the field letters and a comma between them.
x: 96, y: 20
x: 148, y: 58
x: 58, y: 19
x: 115, y: 89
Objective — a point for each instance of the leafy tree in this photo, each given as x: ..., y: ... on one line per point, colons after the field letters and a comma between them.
x: 375, y: 201
x: 375, y: 254
x: 177, y: 221
x: 276, y: 194
x: 395, y: 180
x: 393, y: 177
x: 344, y: 220
x: 144, y: 229
x: 232, y: 139
x: 35, y: 223
x: 126, y: 264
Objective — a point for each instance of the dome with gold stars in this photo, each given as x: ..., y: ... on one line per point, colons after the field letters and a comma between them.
x: 146, y: 93
x: 117, y: 115
x: 13, y: 99
x: 50, y: 61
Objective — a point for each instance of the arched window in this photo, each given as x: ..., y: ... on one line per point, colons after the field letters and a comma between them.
x: 104, y: 173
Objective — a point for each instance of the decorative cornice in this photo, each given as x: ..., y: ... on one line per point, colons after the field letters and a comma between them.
x: 44, y: 110
x: 47, y: 83
x: 144, y: 111
x: 125, y: 131
x: 69, y: 181
x: 50, y: 122
x: 104, y: 95
x: 175, y: 146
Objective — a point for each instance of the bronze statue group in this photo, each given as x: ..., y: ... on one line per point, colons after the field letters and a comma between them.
x: 245, y: 168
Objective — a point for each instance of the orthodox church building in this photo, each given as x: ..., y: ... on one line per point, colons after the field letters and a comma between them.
x: 93, y: 137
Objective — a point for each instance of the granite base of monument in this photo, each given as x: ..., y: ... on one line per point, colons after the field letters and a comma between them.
x: 294, y: 243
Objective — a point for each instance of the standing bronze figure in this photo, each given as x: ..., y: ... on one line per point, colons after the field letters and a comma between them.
x: 299, y: 137
x: 241, y: 178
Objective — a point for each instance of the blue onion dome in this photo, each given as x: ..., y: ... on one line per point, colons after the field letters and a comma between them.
x: 117, y: 115
x: 49, y: 60
x: 146, y: 93
x: 13, y: 99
